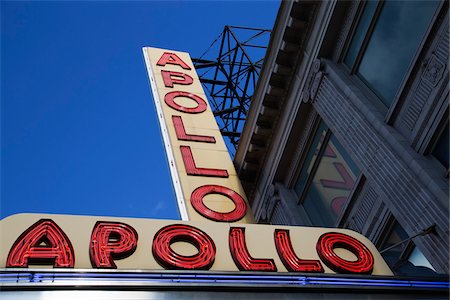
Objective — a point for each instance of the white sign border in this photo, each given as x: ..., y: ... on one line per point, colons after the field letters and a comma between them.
x: 182, y: 208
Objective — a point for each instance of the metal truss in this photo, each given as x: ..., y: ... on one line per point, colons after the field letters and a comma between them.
x: 229, y: 76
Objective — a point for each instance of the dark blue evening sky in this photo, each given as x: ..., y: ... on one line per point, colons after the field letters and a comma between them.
x: 79, y: 134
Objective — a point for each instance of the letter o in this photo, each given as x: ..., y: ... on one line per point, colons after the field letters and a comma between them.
x: 169, y: 98
x: 169, y: 259
x: 331, y: 240
x: 235, y: 215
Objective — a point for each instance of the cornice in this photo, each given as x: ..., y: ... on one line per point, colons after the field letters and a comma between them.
x: 285, y: 53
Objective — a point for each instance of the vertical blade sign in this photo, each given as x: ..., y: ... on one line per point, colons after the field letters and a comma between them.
x: 205, y: 180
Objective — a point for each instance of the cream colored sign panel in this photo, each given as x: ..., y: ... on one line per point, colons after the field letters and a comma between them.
x: 21, y: 234
x: 197, y: 156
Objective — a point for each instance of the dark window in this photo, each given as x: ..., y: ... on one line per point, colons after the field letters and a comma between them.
x: 326, y: 179
x: 440, y: 151
x: 387, y: 48
x: 360, y: 32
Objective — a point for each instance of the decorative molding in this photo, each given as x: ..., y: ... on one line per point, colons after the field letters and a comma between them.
x: 368, y: 200
x: 313, y: 81
x: 270, y: 202
x: 300, y: 148
x: 420, y: 95
x: 415, y: 96
x: 433, y: 71
x: 315, y: 85
x: 345, y: 31
x: 290, y: 57
x: 379, y: 217
x: 305, y: 96
x: 361, y: 214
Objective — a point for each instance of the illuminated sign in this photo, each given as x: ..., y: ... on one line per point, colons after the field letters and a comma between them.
x: 204, y: 177
x: 64, y: 241
x: 203, y: 173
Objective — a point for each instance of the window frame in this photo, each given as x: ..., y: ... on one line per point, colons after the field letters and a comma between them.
x: 389, y: 112
x: 431, y: 145
x: 315, y: 166
x: 300, y: 197
x: 367, y: 36
x: 387, y: 232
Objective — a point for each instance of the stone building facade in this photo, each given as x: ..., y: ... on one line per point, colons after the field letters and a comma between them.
x: 348, y: 126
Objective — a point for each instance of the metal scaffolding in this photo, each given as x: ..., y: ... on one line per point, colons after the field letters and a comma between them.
x: 229, y: 70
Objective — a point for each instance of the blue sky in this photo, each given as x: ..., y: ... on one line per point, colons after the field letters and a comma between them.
x: 79, y: 133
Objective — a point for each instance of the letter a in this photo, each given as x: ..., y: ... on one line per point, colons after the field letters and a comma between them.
x: 172, y: 59
x: 42, y: 243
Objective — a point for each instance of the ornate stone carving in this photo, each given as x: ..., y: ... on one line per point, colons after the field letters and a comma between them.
x: 433, y: 71
x: 315, y: 85
x: 312, y: 82
x: 316, y: 65
x: 269, y: 205
x: 305, y: 94
x: 344, y: 33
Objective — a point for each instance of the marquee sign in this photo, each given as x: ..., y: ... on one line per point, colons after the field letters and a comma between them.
x: 207, y: 189
x: 204, y: 177
x: 65, y: 241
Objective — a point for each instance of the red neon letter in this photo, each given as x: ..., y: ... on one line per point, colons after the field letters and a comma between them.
x: 169, y: 259
x: 241, y: 256
x: 290, y: 259
x: 171, y: 77
x: 331, y: 240
x: 235, y: 215
x: 201, y: 104
x: 191, y: 168
x: 42, y: 243
x: 172, y: 59
x: 109, y: 241
x: 183, y: 136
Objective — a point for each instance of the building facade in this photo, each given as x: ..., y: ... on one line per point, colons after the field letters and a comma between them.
x: 348, y: 126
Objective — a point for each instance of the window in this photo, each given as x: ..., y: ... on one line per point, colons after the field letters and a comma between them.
x: 402, y: 256
x: 326, y: 179
x: 440, y: 150
x: 385, y: 42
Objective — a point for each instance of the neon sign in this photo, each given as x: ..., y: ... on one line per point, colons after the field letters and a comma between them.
x: 64, y: 241
x: 202, y: 172
x: 42, y: 242
x: 194, y: 144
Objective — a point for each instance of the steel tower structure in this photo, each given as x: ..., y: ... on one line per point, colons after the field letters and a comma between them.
x: 229, y: 70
